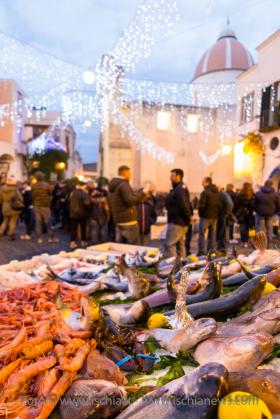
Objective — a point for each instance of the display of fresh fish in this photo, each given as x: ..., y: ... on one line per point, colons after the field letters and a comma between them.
x: 236, y: 353
x: 175, y: 340
x: 263, y: 383
x: 92, y: 398
x: 186, y: 397
x: 131, y: 314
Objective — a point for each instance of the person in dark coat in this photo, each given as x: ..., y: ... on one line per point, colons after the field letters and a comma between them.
x: 12, y: 205
x: 179, y: 214
x: 231, y: 192
x: 147, y: 216
x: 100, y: 215
x: 267, y: 205
x: 244, y: 208
x: 224, y: 216
x: 28, y: 211
x: 79, y: 213
x: 208, y: 209
x: 123, y: 201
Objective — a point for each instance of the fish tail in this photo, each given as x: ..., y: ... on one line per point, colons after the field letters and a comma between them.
x: 241, y: 264
x: 259, y: 241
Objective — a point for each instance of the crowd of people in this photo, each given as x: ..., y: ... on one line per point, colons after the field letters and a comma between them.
x: 112, y: 211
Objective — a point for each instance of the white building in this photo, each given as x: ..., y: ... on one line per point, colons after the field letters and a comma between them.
x: 259, y: 110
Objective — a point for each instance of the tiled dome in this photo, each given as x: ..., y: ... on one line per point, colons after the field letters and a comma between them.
x: 226, y: 54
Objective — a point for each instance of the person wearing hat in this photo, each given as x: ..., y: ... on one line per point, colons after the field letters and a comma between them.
x: 12, y: 205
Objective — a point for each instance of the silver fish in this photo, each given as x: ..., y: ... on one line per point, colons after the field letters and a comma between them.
x: 235, y: 353
x: 188, y: 397
x: 175, y: 340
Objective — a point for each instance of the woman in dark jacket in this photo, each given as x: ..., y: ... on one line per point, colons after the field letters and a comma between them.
x: 244, y: 208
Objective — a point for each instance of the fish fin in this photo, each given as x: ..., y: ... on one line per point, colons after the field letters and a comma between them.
x: 241, y: 264
x: 259, y: 241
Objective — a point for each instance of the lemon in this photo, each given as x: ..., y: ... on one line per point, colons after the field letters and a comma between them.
x: 243, y: 406
x: 153, y: 252
x: 193, y: 258
x: 157, y: 320
x: 268, y: 288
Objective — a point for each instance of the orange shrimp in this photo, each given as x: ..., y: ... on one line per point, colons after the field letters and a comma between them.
x: 13, y: 353
x: 56, y: 393
x: 59, y: 351
x: 10, y: 369
x: 20, y: 378
x: 20, y: 337
x: 82, y: 334
x: 77, y: 362
x: 49, y: 380
x: 73, y: 346
x: 38, y: 350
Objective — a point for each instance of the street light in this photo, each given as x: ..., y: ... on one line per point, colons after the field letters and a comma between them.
x: 60, y: 165
x: 88, y: 76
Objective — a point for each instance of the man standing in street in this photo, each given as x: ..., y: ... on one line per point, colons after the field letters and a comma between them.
x: 267, y: 204
x: 123, y: 201
x: 224, y: 218
x: 209, y: 206
x: 179, y: 212
x: 41, y: 197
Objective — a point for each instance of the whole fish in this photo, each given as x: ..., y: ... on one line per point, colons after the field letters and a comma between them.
x: 240, y: 278
x: 228, y: 304
x: 183, y: 339
x: 131, y: 314
x: 139, y: 286
x: 92, y: 398
x: 74, y: 276
x: 274, y: 277
x: 165, y: 267
x: 211, y: 280
x: 263, y: 383
x: 187, y: 397
x: 264, y: 316
x: 236, y: 353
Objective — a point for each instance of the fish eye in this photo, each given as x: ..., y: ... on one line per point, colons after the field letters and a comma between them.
x: 266, y: 384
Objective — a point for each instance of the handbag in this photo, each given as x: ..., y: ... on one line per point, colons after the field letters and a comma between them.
x: 16, y: 202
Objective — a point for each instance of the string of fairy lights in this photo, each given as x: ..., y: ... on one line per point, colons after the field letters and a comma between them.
x: 65, y: 87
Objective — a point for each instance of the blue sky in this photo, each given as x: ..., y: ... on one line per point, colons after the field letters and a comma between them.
x: 80, y: 31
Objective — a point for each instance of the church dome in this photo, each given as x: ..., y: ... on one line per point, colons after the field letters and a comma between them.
x: 226, y: 54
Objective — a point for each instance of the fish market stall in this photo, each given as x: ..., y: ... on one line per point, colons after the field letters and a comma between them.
x: 117, y: 331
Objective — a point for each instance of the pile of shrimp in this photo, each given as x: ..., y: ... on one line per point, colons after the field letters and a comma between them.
x: 30, y: 304
x: 40, y: 355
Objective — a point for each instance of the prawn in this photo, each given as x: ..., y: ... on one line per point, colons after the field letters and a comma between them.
x: 20, y: 378
x: 82, y: 334
x: 40, y: 349
x: 20, y: 337
x: 49, y: 380
x: 56, y: 393
x: 77, y: 362
x: 10, y: 369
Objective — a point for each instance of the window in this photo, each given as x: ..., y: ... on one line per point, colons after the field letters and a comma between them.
x: 270, y: 108
x: 247, y: 108
x: 67, y: 143
x: 164, y: 121
x: 192, y: 123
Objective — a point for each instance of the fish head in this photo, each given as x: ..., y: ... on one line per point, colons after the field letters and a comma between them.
x: 209, y: 379
x: 265, y: 383
x: 93, y: 398
x: 203, y: 328
x: 91, y: 311
x: 255, y: 347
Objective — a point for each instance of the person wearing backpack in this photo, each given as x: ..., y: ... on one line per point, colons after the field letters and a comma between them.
x: 12, y: 205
